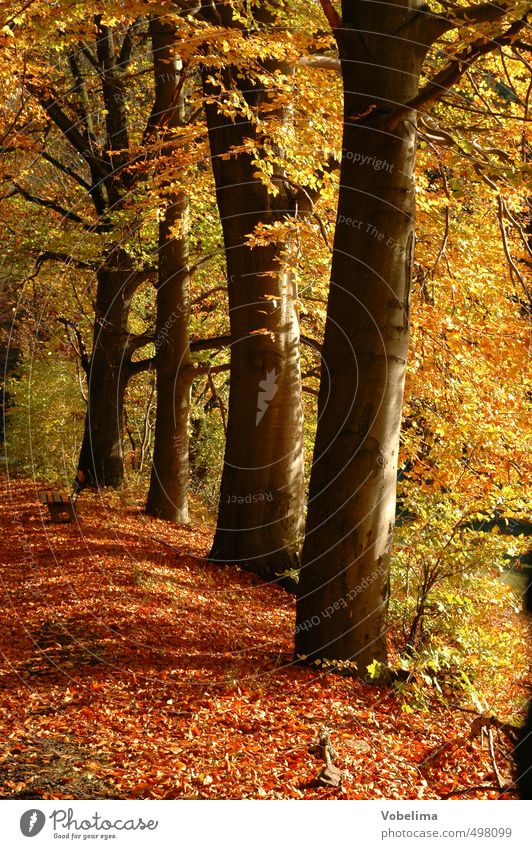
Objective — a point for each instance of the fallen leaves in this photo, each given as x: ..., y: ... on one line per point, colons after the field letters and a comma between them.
x: 133, y: 672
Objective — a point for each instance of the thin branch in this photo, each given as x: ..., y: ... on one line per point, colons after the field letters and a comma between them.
x: 323, y: 231
x: 19, y: 12
x: 56, y: 207
x: 213, y: 369
x: 65, y: 169
x: 466, y: 107
x: 217, y: 398
x: 128, y: 44
x: 501, y: 211
x: 493, y: 761
x: 481, y: 97
x: 522, y: 234
x: 91, y: 57
x: 69, y: 129
x: 207, y: 294
x: 20, y: 109
x: 202, y: 260
x: 81, y: 349
x: 207, y: 344
x: 66, y: 259
x: 311, y: 343
x: 462, y: 790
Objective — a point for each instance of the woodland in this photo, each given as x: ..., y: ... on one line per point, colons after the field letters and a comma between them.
x: 266, y: 281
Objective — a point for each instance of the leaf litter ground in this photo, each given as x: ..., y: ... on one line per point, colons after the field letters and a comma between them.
x: 133, y: 670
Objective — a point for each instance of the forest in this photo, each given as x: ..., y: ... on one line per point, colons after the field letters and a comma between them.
x: 266, y: 288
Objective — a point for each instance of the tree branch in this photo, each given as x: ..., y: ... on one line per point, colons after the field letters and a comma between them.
x: 311, y: 343
x: 138, y: 340
x: 481, y: 13
x: 204, y: 259
x: 81, y: 350
x: 335, y: 21
x: 522, y: 45
x: 81, y: 91
x: 501, y: 212
x: 114, y: 94
x: 213, y: 369
x: 18, y: 13
x: 140, y: 365
x: 221, y: 405
x: 65, y: 170
x: 322, y: 63
x: 66, y: 259
x: 453, y: 72
x: 128, y: 43
x: 91, y: 58
x: 68, y: 128
x: 56, y: 207
x: 208, y: 344
x: 208, y: 294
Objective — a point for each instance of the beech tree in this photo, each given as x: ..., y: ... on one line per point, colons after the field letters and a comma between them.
x: 87, y: 104
x: 260, y: 516
x: 167, y: 496
x: 343, y: 589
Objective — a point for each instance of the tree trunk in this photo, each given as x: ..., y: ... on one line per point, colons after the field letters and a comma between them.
x: 167, y: 496
x: 260, y: 517
x: 101, y: 456
x: 343, y: 589
x: 262, y: 494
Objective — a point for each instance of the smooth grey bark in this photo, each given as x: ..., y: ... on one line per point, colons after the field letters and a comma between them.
x: 167, y: 496
x: 261, y: 508
x: 343, y: 588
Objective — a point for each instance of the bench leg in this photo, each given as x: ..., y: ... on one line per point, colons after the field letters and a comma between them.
x: 61, y: 512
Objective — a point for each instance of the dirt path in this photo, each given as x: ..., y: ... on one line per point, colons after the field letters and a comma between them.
x: 131, y: 671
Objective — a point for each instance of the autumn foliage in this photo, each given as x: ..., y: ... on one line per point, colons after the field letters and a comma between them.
x: 134, y: 670
x: 133, y: 666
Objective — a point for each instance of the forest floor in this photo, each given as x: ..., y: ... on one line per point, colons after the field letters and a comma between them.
x: 133, y: 670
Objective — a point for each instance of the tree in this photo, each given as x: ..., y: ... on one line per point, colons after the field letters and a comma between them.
x: 167, y: 496
x: 260, y: 516
x: 343, y: 589
x: 94, y: 155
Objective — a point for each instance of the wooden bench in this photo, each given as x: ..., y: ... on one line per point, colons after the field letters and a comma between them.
x: 60, y: 507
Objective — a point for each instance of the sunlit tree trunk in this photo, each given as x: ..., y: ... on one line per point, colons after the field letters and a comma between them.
x: 343, y: 589
x: 260, y: 516
x: 167, y: 496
